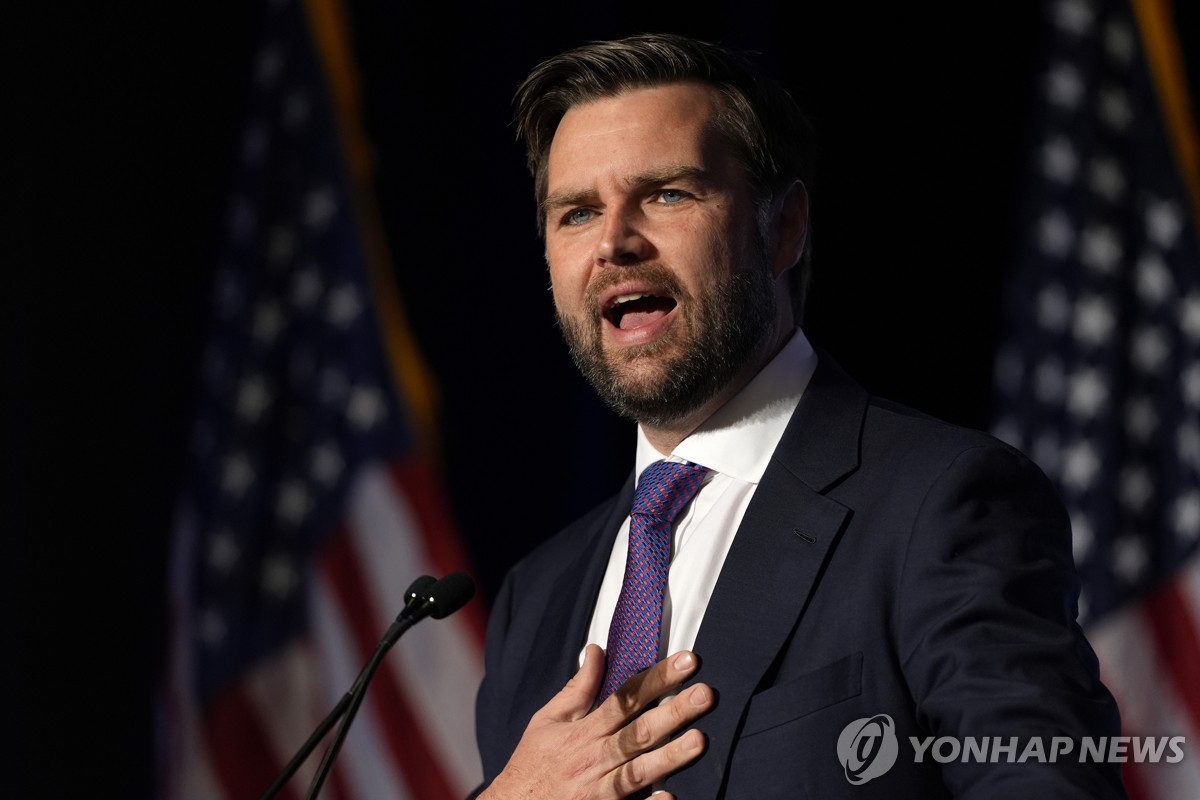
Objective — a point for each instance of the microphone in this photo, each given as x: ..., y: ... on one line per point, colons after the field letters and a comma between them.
x: 425, y: 597
x: 445, y: 596
x: 416, y: 592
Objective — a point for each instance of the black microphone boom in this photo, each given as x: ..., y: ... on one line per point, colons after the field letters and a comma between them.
x: 425, y: 597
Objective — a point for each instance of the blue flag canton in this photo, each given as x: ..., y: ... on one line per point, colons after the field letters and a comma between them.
x: 1100, y: 377
x: 296, y: 390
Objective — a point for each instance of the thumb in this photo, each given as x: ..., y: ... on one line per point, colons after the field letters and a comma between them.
x: 575, y: 700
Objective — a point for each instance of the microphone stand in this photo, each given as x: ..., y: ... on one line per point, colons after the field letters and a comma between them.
x: 444, y: 597
x: 415, y: 597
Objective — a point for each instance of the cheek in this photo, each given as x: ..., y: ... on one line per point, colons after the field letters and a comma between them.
x: 566, y: 288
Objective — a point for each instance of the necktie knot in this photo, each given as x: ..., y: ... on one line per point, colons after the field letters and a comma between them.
x: 665, y: 487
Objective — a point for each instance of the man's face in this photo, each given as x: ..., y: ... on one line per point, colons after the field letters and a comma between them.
x: 661, y: 283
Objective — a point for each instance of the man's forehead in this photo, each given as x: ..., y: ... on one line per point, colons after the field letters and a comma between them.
x: 650, y: 128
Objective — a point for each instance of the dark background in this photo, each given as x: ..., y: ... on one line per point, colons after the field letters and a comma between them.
x: 127, y: 127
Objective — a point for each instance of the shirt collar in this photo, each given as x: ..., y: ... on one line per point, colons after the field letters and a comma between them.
x: 739, y: 438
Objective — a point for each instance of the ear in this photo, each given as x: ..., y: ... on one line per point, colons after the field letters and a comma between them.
x: 791, y: 228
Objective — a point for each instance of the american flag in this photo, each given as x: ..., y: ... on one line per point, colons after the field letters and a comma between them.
x: 310, y: 504
x: 1099, y: 376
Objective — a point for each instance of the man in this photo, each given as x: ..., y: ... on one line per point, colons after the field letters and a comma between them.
x: 844, y: 573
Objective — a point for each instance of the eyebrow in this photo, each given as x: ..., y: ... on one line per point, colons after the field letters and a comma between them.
x: 658, y: 177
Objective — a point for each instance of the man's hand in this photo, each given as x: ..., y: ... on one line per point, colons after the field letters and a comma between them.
x: 570, y: 752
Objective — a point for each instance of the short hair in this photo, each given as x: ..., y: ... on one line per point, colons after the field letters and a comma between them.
x: 768, y: 132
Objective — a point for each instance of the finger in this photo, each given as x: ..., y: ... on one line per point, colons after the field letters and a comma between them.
x: 647, y: 686
x: 574, y: 700
x: 650, y: 729
x: 656, y: 764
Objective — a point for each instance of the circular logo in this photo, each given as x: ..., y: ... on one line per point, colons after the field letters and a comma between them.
x: 867, y: 748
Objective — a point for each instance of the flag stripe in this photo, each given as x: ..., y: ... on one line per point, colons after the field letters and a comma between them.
x: 241, y: 751
x: 414, y: 481
x: 1173, y: 626
x: 420, y: 764
x: 365, y: 767
x: 444, y: 656
x: 1138, y: 673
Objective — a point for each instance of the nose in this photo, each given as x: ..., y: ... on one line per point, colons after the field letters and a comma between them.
x: 622, y: 240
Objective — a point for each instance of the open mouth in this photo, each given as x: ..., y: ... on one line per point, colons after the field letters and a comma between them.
x: 637, y: 309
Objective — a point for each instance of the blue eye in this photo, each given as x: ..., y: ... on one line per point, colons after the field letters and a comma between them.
x: 672, y: 196
x: 578, y: 216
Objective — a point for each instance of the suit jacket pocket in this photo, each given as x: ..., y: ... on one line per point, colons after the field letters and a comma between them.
x: 837, y: 681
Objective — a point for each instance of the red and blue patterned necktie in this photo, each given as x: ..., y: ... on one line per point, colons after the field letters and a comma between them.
x: 664, y: 488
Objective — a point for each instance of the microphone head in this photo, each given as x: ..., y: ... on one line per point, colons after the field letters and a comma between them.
x: 418, y: 590
x: 450, y: 594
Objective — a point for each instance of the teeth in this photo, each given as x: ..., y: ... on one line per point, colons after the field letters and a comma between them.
x: 625, y: 298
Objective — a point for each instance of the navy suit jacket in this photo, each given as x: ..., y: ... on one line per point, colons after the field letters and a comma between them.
x: 889, y: 563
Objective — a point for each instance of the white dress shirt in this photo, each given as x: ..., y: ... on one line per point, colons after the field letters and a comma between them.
x: 735, y: 443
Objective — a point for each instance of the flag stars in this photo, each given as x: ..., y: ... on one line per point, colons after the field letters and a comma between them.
x: 1100, y: 248
x: 1185, y: 516
x: 1190, y: 385
x: 279, y: 576
x: 1118, y: 41
x: 294, y: 502
x: 1094, y: 321
x: 1141, y: 419
x: 1129, y: 559
x: 1164, y: 223
x: 1153, y: 280
x: 1087, y: 393
x: 1135, y: 487
x: 326, y: 464
x: 307, y: 288
x: 254, y: 397
x: 1189, y: 316
x: 1150, y: 348
x: 1056, y: 234
x: 296, y: 108
x: 319, y: 207
x: 1047, y: 452
x: 223, y: 552
x: 344, y: 306
x: 268, y: 323
x: 1187, y: 444
x: 1083, y: 536
x: 1059, y: 161
x: 237, y: 474
x: 267, y: 65
x: 1064, y: 86
x: 1053, y: 307
x: 1107, y: 179
x: 1049, y: 382
x: 1074, y: 16
x: 1115, y: 109
x: 1081, y: 462
x: 366, y: 407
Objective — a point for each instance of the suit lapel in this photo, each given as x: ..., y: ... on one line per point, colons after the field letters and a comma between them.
x: 554, y: 652
x: 773, y: 566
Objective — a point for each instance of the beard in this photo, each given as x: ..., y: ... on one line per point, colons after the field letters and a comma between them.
x: 669, y: 378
